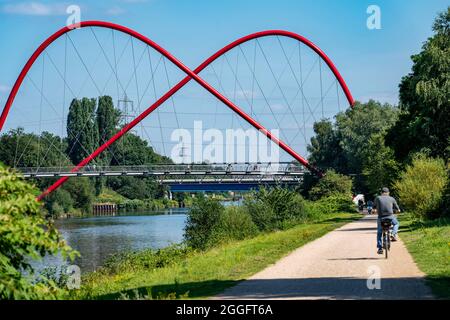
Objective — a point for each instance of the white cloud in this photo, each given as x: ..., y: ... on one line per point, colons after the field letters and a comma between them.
x: 34, y: 9
x: 134, y: 1
x: 390, y: 97
x: 115, y: 11
x: 4, y: 89
x: 277, y: 107
x: 245, y: 94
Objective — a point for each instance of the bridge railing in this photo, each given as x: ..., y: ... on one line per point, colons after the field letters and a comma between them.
x: 172, y: 169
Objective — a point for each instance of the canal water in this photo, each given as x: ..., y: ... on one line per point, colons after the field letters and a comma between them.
x: 97, y: 238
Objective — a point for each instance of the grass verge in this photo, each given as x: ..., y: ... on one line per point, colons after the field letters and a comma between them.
x: 429, y: 244
x: 204, y: 274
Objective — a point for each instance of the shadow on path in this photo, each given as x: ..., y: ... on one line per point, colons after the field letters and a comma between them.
x: 314, y: 288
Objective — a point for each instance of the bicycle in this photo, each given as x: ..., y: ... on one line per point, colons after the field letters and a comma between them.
x: 386, y: 225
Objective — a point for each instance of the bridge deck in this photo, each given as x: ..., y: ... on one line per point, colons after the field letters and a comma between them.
x: 187, y: 173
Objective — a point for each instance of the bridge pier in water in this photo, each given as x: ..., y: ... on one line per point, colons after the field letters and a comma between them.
x: 104, y: 209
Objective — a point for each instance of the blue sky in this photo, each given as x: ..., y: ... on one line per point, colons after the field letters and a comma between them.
x: 371, y: 61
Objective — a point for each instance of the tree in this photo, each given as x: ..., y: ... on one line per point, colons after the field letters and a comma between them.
x: 355, y: 127
x: 82, y: 192
x: 380, y: 168
x: 24, y: 234
x: 107, y: 121
x: 331, y: 184
x: 343, y: 146
x: 82, y: 129
x: 20, y: 149
x: 325, y: 151
x: 425, y: 98
x: 133, y: 150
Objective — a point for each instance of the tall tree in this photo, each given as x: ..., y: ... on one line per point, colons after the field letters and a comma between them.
x: 82, y: 130
x: 380, y: 168
x: 425, y: 98
x: 325, y: 151
x: 343, y: 145
x: 108, y: 121
x: 356, y: 126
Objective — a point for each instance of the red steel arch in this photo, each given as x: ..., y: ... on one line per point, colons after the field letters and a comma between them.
x: 191, y: 74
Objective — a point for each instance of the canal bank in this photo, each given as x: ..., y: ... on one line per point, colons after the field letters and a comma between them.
x: 194, y: 274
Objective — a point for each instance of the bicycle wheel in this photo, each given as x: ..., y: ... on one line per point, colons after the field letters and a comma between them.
x: 386, y: 244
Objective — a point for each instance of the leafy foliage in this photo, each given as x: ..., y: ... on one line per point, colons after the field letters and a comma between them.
x: 331, y: 184
x: 275, y: 208
x: 421, y: 185
x: 325, y: 150
x: 425, y: 98
x: 335, y: 203
x: 24, y: 234
x: 82, y: 129
x: 379, y: 165
x: 235, y: 223
x: 344, y: 145
x: 107, y: 119
x: 202, y: 218
x: 20, y: 149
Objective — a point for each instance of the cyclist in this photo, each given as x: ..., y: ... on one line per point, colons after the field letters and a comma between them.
x: 369, y: 206
x: 385, y: 205
x: 360, y: 204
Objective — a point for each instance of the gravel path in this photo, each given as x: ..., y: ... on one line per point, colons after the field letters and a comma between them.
x: 338, y: 266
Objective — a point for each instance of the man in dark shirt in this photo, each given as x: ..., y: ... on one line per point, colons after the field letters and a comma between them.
x: 385, y: 206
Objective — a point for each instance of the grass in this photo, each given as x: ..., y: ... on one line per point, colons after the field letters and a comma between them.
x: 429, y: 244
x: 204, y: 274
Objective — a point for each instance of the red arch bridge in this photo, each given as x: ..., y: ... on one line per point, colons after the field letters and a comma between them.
x: 275, y: 83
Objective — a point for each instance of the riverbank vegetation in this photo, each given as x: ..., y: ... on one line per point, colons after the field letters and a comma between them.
x: 25, y: 234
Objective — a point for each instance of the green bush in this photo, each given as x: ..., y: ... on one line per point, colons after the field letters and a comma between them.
x: 331, y: 204
x: 201, y: 220
x: 24, y: 235
x: 421, y: 186
x: 235, y: 223
x: 275, y: 208
x: 59, y: 202
x: 445, y: 203
x: 330, y: 184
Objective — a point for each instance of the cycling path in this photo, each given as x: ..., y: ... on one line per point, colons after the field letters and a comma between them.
x: 338, y: 265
